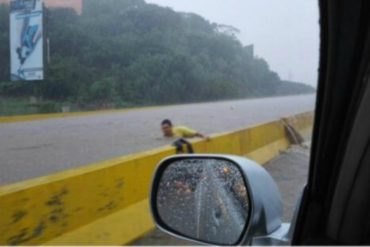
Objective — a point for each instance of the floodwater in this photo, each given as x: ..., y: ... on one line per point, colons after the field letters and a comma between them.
x: 33, y: 149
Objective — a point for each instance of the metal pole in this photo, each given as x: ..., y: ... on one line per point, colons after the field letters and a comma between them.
x: 48, y: 49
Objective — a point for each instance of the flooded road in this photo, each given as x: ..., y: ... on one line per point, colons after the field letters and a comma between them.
x: 33, y: 149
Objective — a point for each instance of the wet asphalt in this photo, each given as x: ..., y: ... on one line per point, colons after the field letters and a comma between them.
x: 289, y: 171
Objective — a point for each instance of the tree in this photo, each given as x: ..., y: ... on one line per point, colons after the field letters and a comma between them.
x: 131, y: 51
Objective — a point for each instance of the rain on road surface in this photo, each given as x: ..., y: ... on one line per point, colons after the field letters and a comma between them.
x: 38, y: 148
x: 289, y: 170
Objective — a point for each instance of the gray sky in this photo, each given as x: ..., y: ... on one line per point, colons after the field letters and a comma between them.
x: 284, y: 32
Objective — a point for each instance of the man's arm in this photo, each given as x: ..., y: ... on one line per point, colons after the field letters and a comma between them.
x: 188, y: 132
x: 200, y: 135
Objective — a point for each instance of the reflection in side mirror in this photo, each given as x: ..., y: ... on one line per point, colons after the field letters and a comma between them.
x: 204, y: 199
x: 219, y: 200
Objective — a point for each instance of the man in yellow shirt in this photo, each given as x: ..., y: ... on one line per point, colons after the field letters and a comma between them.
x: 179, y: 131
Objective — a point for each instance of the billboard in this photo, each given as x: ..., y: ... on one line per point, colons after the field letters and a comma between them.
x: 26, y: 40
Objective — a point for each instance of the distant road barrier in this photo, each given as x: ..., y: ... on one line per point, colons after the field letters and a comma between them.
x: 107, y: 203
x: 49, y: 116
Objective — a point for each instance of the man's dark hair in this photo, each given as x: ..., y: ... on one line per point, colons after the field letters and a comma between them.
x: 167, y: 122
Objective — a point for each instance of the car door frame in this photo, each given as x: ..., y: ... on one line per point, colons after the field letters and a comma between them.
x: 344, y: 62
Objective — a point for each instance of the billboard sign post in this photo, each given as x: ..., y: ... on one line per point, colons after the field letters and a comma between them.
x: 26, y: 40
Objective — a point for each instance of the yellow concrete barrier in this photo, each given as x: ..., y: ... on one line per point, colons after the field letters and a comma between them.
x: 106, y: 203
x: 303, y: 123
x: 48, y: 116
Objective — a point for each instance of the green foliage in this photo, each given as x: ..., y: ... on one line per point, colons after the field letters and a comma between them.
x: 21, y: 106
x: 103, y: 91
x: 120, y: 53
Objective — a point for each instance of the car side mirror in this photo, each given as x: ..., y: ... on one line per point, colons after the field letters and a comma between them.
x: 218, y: 200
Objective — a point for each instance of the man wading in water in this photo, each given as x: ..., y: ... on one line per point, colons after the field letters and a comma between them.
x: 181, y: 132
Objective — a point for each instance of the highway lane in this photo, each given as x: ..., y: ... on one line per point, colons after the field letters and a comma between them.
x: 38, y: 148
x: 289, y: 170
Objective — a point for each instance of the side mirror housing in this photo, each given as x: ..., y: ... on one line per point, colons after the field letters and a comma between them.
x: 218, y: 200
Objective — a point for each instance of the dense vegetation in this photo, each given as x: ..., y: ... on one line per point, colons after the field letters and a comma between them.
x: 130, y: 52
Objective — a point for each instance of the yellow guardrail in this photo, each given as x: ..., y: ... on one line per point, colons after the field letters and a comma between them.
x: 107, y: 203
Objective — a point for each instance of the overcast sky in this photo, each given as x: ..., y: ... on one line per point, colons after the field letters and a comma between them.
x: 284, y: 32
